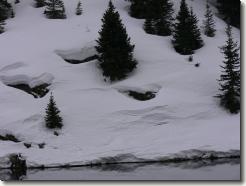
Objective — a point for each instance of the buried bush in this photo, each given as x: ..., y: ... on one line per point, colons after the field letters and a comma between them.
x: 41, y: 145
x: 142, y: 96
x: 9, y: 137
x: 28, y: 145
x: 197, y: 65
x: 190, y: 59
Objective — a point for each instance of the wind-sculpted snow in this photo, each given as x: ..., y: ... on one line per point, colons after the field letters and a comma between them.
x: 100, y: 121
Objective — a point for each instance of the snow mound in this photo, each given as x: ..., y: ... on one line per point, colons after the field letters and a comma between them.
x: 74, y: 56
x: 44, y: 78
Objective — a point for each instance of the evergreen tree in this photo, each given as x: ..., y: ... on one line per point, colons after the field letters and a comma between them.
x: 5, y: 9
x: 79, y: 9
x: 138, y: 8
x: 55, y: 9
x: 230, y: 11
x: 149, y: 26
x: 160, y: 11
x: 230, y: 77
x: 196, y: 39
x: 114, y: 49
x: 209, y: 24
x: 52, y: 118
x: 182, y: 31
x: 2, y: 29
x: 186, y: 36
x: 39, y: 3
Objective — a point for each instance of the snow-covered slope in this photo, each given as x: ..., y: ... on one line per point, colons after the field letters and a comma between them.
x: 100, y: 121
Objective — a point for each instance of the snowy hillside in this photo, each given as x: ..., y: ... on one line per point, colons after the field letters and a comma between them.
x: 100, y: 119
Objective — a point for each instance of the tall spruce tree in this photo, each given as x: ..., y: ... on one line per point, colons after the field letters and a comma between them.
x: 55, y: 9
x: 196, y: 39
x: 186, y: 35
x: 2, y: 29
x: 209, y: 23
x: 79, y: 9
x: 230, y: 78
x: 230, y: 11
x: 182, y: 31
x: 114, y: 49
x: 39, y: 3
x: 52, y: 118
x: 138, y: 8
x: 160, y: 12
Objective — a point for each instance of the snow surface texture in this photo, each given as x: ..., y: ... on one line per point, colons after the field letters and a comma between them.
x: 99, y: 121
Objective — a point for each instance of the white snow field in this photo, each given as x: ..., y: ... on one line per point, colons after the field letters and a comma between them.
x: 100, y: 121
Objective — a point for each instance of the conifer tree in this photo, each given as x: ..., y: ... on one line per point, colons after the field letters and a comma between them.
x: 160, y: 12
x: 209, y: 24
x: 149, y: 26
x: 52, y: 118
x: 55, y: 9
x: 230, y: 78
x: 5, y: 9
x: 2, y: 29
x: 182, y: 31
x: 230, y: 11
x: 79, y: 9
x: 187, y: 35
x: 39, y: 3
x: 165, y: 22
x: 138, y: 8
x: 115, y: 52
x: 196, y: 39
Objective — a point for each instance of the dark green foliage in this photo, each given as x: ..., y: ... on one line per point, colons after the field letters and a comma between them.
x: 160, y: 12
x: 5, y: 9
x: 2, y: 29
x: 39, y: 3
x: 138, y: 8
x: 230, y: 11
x: 52, y: 118
x: 115, y: 53
x: 186, y: 36
x: 149, y: 26
x: 209, y: 24
x: 230, y: 78
x: 79, y: 9
x: 196, y: 39
x: 55, y: 9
